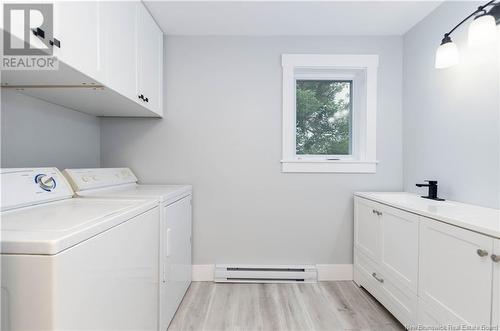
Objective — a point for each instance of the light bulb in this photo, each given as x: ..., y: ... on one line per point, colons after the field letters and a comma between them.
x: 482, y: 30
x: 447, y: 55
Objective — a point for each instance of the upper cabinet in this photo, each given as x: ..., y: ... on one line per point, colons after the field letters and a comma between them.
x: 132, y: 52
x: 110, y: 56
x: 119, y: 34
x: 76, y: 39
x: 150, y: 60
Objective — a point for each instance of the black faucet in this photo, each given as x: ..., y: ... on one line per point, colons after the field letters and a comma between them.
x: 433, y: 190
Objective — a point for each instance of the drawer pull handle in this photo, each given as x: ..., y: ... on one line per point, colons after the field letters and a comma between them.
x: 381, y: 280
x: 482, y: 252
x: 495, y: 258
x: 379, y: 213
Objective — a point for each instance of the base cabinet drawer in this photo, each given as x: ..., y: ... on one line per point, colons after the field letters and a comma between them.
x: 400, y: 301
x: 363, y: 274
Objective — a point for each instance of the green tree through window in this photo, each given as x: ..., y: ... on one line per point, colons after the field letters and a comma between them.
x: 324, y: 112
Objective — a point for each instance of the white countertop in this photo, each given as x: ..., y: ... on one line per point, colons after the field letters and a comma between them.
x: 480, y: 219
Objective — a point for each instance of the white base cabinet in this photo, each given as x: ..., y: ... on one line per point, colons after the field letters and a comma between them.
x: 426, y: 272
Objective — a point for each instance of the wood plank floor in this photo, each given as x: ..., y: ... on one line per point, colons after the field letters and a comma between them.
x: 321, y: 306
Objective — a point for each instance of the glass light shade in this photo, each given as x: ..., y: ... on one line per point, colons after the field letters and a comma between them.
x: 446, y: 55
x: 482, y: 30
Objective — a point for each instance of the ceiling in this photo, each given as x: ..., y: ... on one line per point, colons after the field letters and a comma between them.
x: 271, y: 18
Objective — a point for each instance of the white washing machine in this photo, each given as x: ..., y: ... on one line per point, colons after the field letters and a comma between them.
x: 175, y: 224
x: 75, y: 264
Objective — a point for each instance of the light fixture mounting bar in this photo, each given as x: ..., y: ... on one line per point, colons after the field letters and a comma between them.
x: 478, y: 10
x: 495, y: 12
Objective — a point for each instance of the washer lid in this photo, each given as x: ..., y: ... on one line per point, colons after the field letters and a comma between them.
x: 52, y: 227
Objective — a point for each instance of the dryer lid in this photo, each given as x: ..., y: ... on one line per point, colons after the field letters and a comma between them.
x: 141, y: 191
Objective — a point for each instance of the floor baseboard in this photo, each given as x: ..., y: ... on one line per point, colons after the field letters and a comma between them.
x: 334, y: 272
x: 203, y: 272
x: 326, y: 272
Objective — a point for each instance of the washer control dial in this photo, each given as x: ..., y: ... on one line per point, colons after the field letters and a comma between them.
x: 47, y: 183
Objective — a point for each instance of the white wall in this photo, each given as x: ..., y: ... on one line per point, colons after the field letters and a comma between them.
x: 222, y: 133
x: 37, y: 133
x: 451, y: 116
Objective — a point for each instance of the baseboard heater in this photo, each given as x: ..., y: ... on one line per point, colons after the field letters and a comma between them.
x: 238, y: 273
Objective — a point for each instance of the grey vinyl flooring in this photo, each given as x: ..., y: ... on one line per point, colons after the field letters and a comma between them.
x: 320, y: 306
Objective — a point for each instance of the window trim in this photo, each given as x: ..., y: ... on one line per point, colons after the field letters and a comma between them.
x: 365, y: 159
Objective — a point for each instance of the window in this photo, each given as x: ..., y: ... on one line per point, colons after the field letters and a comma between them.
x: 323, y: 116
x: 329, y: 113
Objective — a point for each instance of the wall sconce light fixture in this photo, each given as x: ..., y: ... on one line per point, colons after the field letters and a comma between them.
x: 482, y: 30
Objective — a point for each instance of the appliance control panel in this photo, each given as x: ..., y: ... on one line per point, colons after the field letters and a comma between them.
x: 94, y: 178
x: 22, y: 187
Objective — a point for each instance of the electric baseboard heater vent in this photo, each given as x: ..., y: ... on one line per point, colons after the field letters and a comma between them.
x: 238, y: 273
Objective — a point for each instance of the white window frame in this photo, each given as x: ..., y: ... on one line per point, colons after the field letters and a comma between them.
x: 362, y: 70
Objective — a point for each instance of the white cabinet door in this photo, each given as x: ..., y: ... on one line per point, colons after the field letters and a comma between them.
x: 399, y: 246
x: 177, y: 258
x: 150, y: 61
x: 367, y: 228
x: 118, y: 25
x: 495, y: 321
x: 454, y: 280
x: 76, y: 28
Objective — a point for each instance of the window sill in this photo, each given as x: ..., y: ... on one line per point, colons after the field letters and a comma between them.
x: 329, y: 166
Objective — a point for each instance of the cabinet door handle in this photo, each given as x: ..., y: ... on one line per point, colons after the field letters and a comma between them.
x: 482, y: 252
x: 55, y: 42
x: 381, y: 280
x: 141, y: 96
x: 146, y: 99
x: 379, y: 213
x: 39, y: 33
x: 495, y: 258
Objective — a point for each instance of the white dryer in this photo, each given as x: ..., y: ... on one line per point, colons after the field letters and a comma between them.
x: 75, y: 264
x: 175, y: 225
